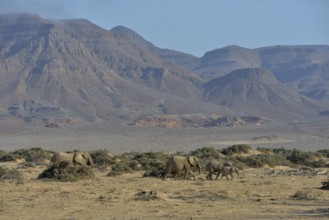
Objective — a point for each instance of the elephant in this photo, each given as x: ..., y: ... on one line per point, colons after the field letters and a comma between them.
x: 61, y: 156
x: 76, y: 158
x: 179, y: 163
x: 83, y: 158
x: 215, y: 166
x: 229, y: 170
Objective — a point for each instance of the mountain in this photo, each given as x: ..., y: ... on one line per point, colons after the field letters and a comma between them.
x: 73, y: 69
x: 187, y: 61
x: 256, y: 91
x: 302, y: 67
x: 315, y: 81
x: 222, y: 61
x: 305, y: 68
x: 57, y: 72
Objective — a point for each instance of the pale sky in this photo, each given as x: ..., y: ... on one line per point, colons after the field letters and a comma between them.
x: 196, y: 26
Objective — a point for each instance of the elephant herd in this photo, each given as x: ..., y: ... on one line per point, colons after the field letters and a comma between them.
x: 178, y: 163
x: 174, y: 165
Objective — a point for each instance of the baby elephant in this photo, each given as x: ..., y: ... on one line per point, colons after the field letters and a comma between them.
x: 229, y: 170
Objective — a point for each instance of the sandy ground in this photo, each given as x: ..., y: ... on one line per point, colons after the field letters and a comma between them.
x: 255, y: 194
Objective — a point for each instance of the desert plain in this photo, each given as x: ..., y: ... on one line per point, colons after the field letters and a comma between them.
x: 258, y: 193
x: 262, y: 193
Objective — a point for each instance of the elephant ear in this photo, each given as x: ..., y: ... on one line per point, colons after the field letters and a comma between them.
x: 192, y: 161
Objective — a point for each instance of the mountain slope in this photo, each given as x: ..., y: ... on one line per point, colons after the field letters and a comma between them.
x: 257, y: 92
x: 304, y: 67
x: 73, y: 68
x: 222, y: 61
x: 293, y: 65
x: 184, y: 60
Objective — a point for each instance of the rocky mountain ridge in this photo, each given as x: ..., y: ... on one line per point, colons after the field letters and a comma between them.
x: 72, y: 71
x: 303, y: 67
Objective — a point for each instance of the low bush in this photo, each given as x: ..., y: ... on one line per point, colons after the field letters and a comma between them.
x: 325, y: 153
x: 102, y: 157
x: 9, y: 157
x: 301, y: 195
x: 2, y: 153
x: 6, y: 173
x: 235, y: 149
x: 261, y: 160
x: 66, y: 172
x: 120, y: 168
x: 36, y: 155
x: 325, y: 185
x: 206, y: 153
x: 152, y: 162
x: 303, y: 158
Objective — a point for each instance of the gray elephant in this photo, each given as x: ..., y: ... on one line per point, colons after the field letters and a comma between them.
x: 83, y: 158
x: 228, y: 171
x: 76, y: 158
x: 216, y: 167
x: 61, y: 156
x: 179, y: 163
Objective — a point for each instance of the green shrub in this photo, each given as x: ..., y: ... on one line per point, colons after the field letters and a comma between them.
x: 237, y: 148
x: 264, y: 150
x: 303, y: 158
x: 152, y: 162
x: 264, y: 159
x: 6, y: 173
x: 36, y: 154
x: 325, y: 153
x: 206, y: 153
x: 66, y: 172
x: 282, y: 151
x: 9, y: 157
x: 2, y: 153
x: 102, y: 158
x: 120, y: 168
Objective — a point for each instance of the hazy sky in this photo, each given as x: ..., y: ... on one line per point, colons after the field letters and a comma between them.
x: 196, y: 26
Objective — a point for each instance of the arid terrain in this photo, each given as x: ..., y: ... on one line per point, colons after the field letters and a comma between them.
x: 71, y: 85
x: 119, y: 138
x: 262, y: 193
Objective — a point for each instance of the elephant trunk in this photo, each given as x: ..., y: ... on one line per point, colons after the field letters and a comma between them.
x: 91, y: 162
x: 199, y: 167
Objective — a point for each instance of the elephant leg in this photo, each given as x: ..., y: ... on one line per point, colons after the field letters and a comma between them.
x: 167, y: 171
x: 209, y: 176
x: 236, y: 171
x: 187, y: 171
x: 192, y: 174
x: 165, y: 176
x: 218, y: 173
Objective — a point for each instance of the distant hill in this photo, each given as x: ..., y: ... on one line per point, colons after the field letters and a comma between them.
x: 75, y: 69
x: 57, y: 72
x: 256, y: 91
x: 187, y: 61
x: 304, y: 67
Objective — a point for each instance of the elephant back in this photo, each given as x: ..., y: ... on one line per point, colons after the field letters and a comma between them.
x: 61, y: 156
